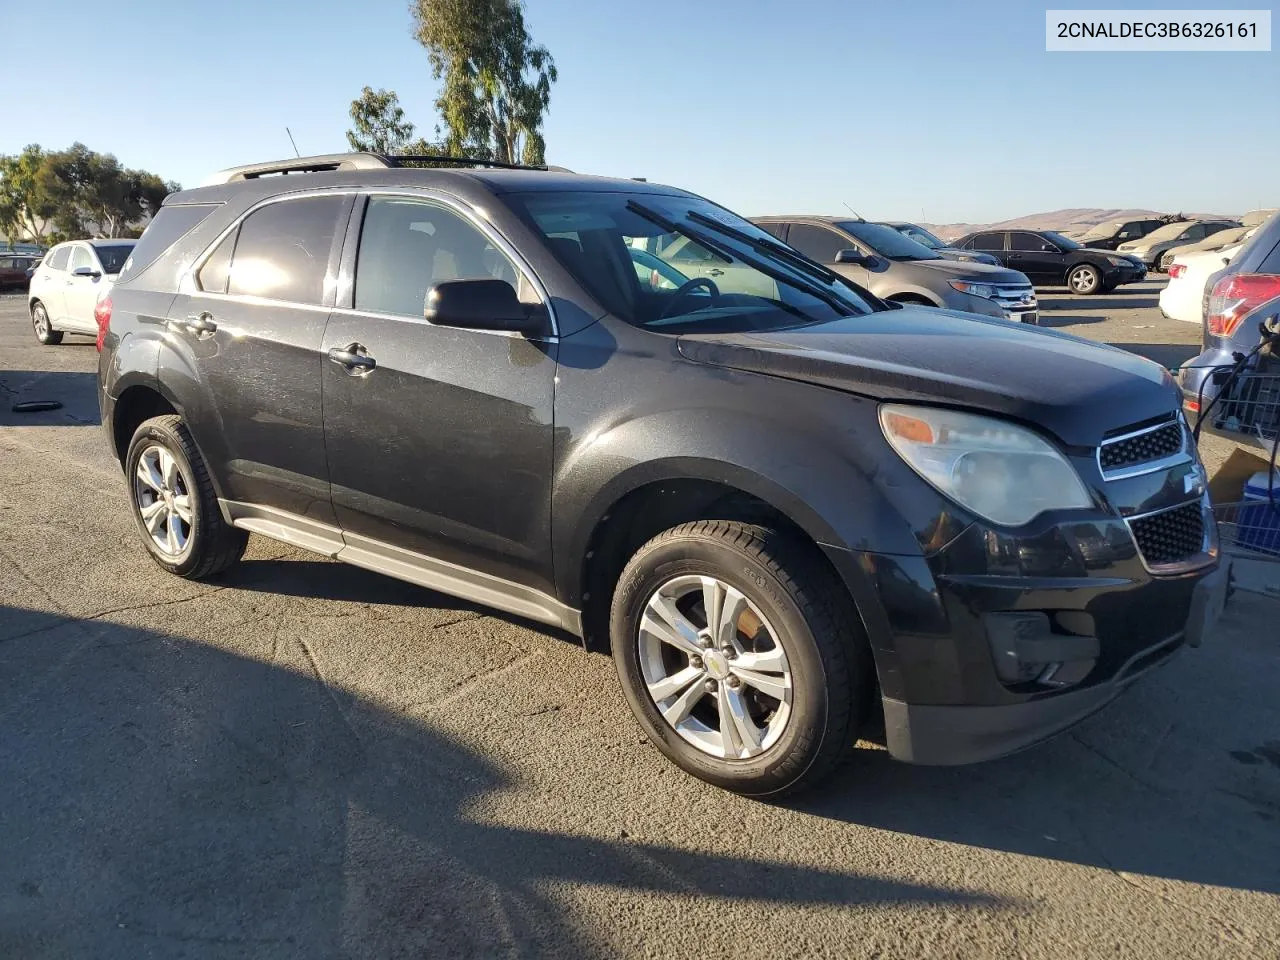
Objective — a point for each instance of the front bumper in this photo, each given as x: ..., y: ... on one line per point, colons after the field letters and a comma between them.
x: 1122, y: 275
x: 1020, y: 311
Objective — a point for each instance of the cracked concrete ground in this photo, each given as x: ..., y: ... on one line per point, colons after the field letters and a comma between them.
x: 307, y: 760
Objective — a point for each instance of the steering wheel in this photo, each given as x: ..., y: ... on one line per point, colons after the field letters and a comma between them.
x: 687, y: 288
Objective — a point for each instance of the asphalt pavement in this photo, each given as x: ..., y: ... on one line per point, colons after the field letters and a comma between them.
x: 304, y: 759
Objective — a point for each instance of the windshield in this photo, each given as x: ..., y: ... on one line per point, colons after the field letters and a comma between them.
x: 920, y: 235
x: 1170, y: 231
x: 113, y: 257
x: 887, y: 241
x: 1066, y: 243
x: 1103, y: 229
x: 672, y: 264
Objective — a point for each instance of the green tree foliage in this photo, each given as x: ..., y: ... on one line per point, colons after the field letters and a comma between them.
x: 497, y: 82
x: 74, y: 193
x: 378, y: 125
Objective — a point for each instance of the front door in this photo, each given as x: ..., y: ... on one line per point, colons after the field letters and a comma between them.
x: 247, y: 332
x: 439, y: 439
x: 821, y: 244
x: 80, y: 293
x: 1035, y: 256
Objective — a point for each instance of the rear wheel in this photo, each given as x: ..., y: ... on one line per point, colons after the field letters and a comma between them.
x: 174, y: 503
x: 737, y: 653
x: 43, y: 328
x: 1084, y: 279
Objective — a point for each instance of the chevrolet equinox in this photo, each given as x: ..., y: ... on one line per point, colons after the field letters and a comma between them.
x: 790, y: 509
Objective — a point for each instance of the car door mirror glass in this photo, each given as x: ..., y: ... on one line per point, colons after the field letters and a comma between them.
x: 480, y: 305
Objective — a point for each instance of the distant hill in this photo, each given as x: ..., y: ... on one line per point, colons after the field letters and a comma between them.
x: 1071, y: 220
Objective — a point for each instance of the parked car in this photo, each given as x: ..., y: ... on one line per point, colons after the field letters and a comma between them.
x: 65, y: 288
x: 1231, y: 237
x: 1112, y: 233
x: 1048, y: 257
x: 907, y: 271
x: 1150, y: 248
x: 1256, y: 218
x: 783, y: 511
x: 15, y: 271
x: 1237, y: 298
x: 923, y: 237
x: 1183, y: 296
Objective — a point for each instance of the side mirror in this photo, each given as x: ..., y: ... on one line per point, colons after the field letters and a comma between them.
x: 1049, y: 248
x: 480, y: 305
x: 86, y: 272
x: 871, y: 262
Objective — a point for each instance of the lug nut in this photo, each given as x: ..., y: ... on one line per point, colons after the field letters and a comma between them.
x: 728, y: 651
x: 734, y: 683
x: 710, y: 686
x: 695, y: 662
x: 704, y: 643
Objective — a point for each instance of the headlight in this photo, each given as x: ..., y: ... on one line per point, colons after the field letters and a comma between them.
x: 974, y: 289
x: 1120, y: 261
x: 1000, y: 471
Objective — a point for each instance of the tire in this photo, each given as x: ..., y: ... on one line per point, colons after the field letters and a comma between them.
x: 791, y: 603
x: 211, y: 545
x: 42, y: 326
x: 1084, y: 279
x: 1163, y: 262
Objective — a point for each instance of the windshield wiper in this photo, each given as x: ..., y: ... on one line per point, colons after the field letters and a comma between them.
x: 826, y: 296
x: 775, y: 247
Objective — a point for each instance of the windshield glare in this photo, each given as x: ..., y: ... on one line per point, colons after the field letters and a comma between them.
x: 669, y: 282
x: 113, y: 257
x: 888, y: 242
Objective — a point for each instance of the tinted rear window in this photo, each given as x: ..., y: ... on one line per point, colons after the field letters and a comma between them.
x: 114, y: 257
x: 169, y: 226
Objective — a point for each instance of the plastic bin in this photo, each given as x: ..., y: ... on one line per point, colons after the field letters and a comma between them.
x: 1258, y: 521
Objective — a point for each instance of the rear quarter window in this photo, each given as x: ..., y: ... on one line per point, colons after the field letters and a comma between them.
x: 168, y: 226
x: 58, y: 259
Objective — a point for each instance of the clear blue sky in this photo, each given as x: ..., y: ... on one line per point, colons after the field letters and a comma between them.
x: 942, y: 111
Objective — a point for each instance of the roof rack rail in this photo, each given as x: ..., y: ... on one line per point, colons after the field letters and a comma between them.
x: 329, y: 162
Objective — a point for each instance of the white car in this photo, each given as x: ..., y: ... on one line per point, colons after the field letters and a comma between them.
x: 66, y: 286
x: 1183, y: 296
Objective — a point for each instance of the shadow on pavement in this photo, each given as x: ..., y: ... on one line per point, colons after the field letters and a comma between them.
x: 1050, y: 321
x: 1168, y: 355
x: 1116, y: 300
x: 77, y: 392
x: 166, y: 797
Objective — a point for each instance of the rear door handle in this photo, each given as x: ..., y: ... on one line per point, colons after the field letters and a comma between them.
x: 354, y: 358
x: 201, y: 325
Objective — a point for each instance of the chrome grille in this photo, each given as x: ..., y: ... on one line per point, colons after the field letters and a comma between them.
x: 1171, y: 535
x: 1150, y: 445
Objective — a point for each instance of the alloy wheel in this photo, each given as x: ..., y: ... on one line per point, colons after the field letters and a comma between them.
x: 162, y: 493
x: 714, y: 667
x: 40, y: 320
x: 1083, y: 281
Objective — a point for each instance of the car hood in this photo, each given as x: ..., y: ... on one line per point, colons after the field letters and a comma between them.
x: 955, y: 253
x: 1076, y: 389
x: 967, y: 270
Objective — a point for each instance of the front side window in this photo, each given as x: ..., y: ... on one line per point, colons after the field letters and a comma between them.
x: 407, y: 246
x: 58, y: 259
x: 80, y: 257
x: 887, y: 242
x: 283, y: 250
x: 817, y: 243
x: 722, y: 272
x: 1026, y: 242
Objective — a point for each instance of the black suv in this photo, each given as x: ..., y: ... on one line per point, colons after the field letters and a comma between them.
x: 788, y: 507
x: 1048, y: 257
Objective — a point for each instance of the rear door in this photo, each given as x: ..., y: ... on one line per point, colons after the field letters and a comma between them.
x: 247, y: 331
x: 444, y: 446
x: 81, y: 292
x: 48, y: 285
x: 991, y: 242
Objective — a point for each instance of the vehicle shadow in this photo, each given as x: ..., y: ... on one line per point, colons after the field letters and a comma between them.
x: 1067, y: 320
x: 75, y: 391
x: 1168, y: 355
x: 1113, y: 301
x: 163, y: 793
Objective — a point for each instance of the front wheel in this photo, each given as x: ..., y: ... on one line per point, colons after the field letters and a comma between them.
x: 174, y: 503
x: 737, y: 653
x: 43, y: 328
x: 1084, y: 279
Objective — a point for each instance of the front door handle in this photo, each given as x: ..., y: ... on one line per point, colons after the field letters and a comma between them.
x: 354, y: 358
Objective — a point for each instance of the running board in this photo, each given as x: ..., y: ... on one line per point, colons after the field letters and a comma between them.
x: 416, y: 568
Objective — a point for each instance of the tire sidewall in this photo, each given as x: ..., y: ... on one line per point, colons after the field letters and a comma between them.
x: 152, y: 433
x: 35, y: 324
x: 790, y: 757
